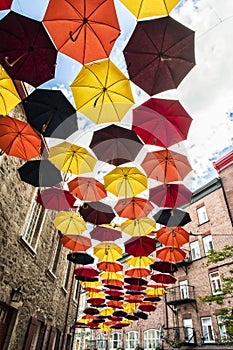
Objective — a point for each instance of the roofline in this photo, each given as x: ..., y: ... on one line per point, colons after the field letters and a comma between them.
x: 224, y: 162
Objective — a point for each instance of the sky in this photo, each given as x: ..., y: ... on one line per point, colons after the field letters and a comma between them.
x: 206, y: 92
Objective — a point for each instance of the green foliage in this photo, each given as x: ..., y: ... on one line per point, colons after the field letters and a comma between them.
x: 208, y: 299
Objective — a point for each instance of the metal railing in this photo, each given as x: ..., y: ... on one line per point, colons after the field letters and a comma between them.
x: 176, y: 294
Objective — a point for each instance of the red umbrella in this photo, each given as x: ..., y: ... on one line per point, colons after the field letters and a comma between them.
x: 140, y: 246
x: 113, y: 284
x: 170, y: 195
x: 26, y: 50
x: 56, y: 199
x: 114, y: 292
x: 163, y: 278
x: 135, y: 287
x: 138, y: 272
x: 114, y: 304
x: 170, y: 254
x: 5, y: 4
x: 161, y: 122
x: 172, y: 236
x: 92, y: 290
x: 110, y: 266
x: 97, y: 213
x: 136, y: 281
x: 101, y: 233
x: 87, y: 188
x: 76, y: 242
x: 88, y: 271
x: 164, y: 266
x: 132, y: 208
x: 146, y: 308
x: 96, y: 301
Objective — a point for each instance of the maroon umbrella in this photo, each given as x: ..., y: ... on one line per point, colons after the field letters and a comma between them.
x: 86, y: 278
x: 97, y: 213
x: 170, y: 195
x: 96, y: 301
x: 114, y: 297
x: 140, y: 246
x: 91, y: 311
x: 159, y: 54
x: 161, y: 122
x: 5, y: 4
x: 56, y: 199
x: 164, y: 278
x: 115, y: 145
x: 26, y: 51
x: 164, y: 266
x: 147, y: 308
x: 136, y: 281
x: 88, y: 271
x: 131, y: 317
x: 101, y: 233
x: 114, y: 292
x: 134, y: 287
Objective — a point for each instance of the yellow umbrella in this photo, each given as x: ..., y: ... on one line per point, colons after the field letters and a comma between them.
x: 149, y: 8
x: 95, y: 295
x: 138, y: 227
x: 124, y: 321
x: 155, y: 292
x: 125, y: 181
x: 130, y: 307
x: 71, y: 158
x: 9, y: 96
x: 107, y: 311
x: 102, y: 92
x: 84, y: 320
x: 139, y: 261
x: 105, y: 328
x: 70, y: 223
x: 91, y: 284
x: 111, y: 276
x: 108, y: 251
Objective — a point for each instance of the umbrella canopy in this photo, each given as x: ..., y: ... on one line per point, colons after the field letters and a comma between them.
x: 114, y: 297
x: 71, y: 158
x: 96, y: 301
x: 138, y: 227
x: 9, y: 96
x: 163, y: 266
x: 125, y: 181
x: 110, y: 266
x: 134, y: 288
x: 114, y: 292
x: 166, y: 166
x: 108, y: 251
x: 170, y: 195
x: 170, y: 254
x: 86, y: 278
x: 70, y: 223
x: 113, y: 284
x: 91, y: 311
x: 115, y: 145
x: 159, y: 54
x: 97, y: 213
x: 76, y: 242
x: 138, y: 272
x: 5, y: 4
x: 155, y: 291
x: 141, y: 315
x: 87, y: 188
x: 138, y: 246
x: 102, y: 92
x: 172, y: 217
x: 51, y: 113
x: 80, y: 258
x: 111, y: 275
x: 135, y: 281
x: 26, y: 50
x: 88, y: 271
x: 148, y: 8
x: 140, y: 261
x: 101, y: 233
x: 40, y: 173
x: 163, y: 278
x: 172, y: 236
x: 107, y: 311
x: 161, y: 122
x: 56, y: 199
x: 18, y: 139
x: 81, y: 29
x: 132, y: 208
x: 146, y: 308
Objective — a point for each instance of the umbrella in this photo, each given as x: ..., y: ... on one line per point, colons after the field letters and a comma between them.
x: 138, y: 246
x: 172, y: 217
x: 110, y: 266
x: 18, y: 139
x: 166, y: 166
x: 91, y: 311
x: 40, y: 173
x: 146, y: 308
x: 134, y: 288
x: 108, y: 251
x: 141, y: 315
x: 136, y: 281
x: 70, y: 223
x: 115, y: 145
x: 86, y: 278
x: 140, y: 261
x: 138, y: 272
x: 87, y: 188
x: 114, y: 297
x: 135, y: 292
x: 98, y: 294
x: 92, y: 290
x: 97, y: 213
x: 164, y: 278
x: 80, y: 258
x: 5, y: 4
x: 81, y: 29
x: 102, y: 92
x: 115, y: 304
x: 152, y: 299
x: 163, y: 266
x: 119, y: 313
x: 91, y: 284
x: 149, y: 8
x: 96, y: 301
x: 26, y: 50
x: 56, y: 199
x: 159, y: 54
x: 50, y: 112
x: 72, y: 158
x: 131, y: 317
x: 107, y: 311
x: 170, y: 254
x: 101, y: 233
x: 138, y: 227
x: 113, y: 284
x: 125, y: 181
x: 161, y: 122
x: 9, y: 96
x: 86, y: 271
x: 76, y: 242
x: 114, y: 292
x: 111, y: 275
x: 133, y: 208
x: 172, y: 236
x: 170, y: 195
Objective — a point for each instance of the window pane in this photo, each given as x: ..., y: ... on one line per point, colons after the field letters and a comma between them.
x: 208, y: 244
x: 195, y: 250
x: 202, y: 215
x: 215, y: 283
x: 34, y: 224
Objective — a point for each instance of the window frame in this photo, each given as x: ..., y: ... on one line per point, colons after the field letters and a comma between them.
x: 66, y: 279
x: 215, y: 291
x: 202, y: 215
x: 117, y: 342
x: 195, y: 249
x: 129, y: 341
x: 222, y: 328
x: 210, y: 327
x: 153, y: 340
x: 206, y: 241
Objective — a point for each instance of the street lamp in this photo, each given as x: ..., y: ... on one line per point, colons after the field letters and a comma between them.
x: 16, y: 295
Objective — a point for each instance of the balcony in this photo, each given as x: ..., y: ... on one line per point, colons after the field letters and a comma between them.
x: 180, y: 295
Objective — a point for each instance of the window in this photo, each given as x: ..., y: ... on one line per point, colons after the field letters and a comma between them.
x: 82, y: 302
x: 202, y: 215
x: 184, y: 289
x: 101, y: 342
x: 222, y: 327
x: 131, y: 340
x: 215, y: 283
x: 195, y: 250
x: 188, y: 330
x: 115, y: 340
x: 208, y: 244
x: 67, y: 275
x: 151, y: 339
x: 207, y: 329
x: 76, y: 290
x: 55, y: 256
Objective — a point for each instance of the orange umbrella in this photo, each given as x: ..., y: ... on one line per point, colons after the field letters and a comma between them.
x: 170, y: 254
x: 84, y: 30
x: 132, y: 208
x: 112, y: 283
x: 18, y: 139
x: 138, y: 272
x: 110, y: 266
x: 87, y: 189
x: 76, y: 242
x: 172, y: 236
x: 115, y: 304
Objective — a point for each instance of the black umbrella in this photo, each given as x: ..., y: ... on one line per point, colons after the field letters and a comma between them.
x: 119, y: 313
x: 172, y: 217
x: 86, y: 279
x: 164, y: 266
x: 50, y: 112
x: 40, y: 173
x: 136, y: 281
x: 81, y: 258
x: 153, y: 299
x: 131, y: 317
x: 114, y: 297
x: 97, y: 213
x: 141, y: 314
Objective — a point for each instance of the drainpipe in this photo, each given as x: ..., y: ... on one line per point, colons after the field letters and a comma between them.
x: 226, y: 201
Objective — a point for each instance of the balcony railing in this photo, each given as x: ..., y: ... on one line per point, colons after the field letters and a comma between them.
x: 180, y: 335
x: 180, y: 295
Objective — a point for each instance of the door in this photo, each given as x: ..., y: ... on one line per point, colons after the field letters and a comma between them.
x: 188, y: 330
x: 207, y: 329
x: 184, y: 289
x: 6, y: 313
